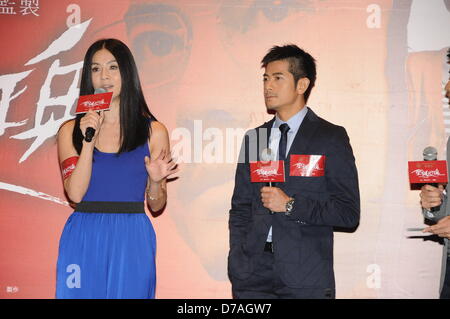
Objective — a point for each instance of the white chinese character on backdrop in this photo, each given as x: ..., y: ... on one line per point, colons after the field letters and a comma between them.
x: 8, y: 83
x: 6, y: 7
x: 10, y: 91
x: 11, y: 88
x: 29, y: 7
x: 42, y: 131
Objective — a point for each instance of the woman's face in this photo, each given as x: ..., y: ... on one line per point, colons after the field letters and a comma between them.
x: 105, y: 72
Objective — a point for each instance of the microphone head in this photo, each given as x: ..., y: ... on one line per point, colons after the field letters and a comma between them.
x: 430, y: 153
x: 100, y: 90
x: 267, y: 155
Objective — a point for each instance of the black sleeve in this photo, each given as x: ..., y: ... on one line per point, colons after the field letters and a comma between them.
x: 241, y: 202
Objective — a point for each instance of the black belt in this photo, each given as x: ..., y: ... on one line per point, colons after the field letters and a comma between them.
x: 111, y: 207
x: 268, y: 247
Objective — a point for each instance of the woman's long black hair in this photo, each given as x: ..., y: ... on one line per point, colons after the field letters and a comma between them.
x: 135, y: 116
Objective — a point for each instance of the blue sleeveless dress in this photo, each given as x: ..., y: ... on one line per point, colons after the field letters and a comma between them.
x: 110, y: 255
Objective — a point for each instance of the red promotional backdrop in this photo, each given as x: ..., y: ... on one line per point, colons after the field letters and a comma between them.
x: 381, y: 70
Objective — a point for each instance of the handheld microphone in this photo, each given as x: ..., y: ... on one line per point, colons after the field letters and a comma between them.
x: 90, y: 131
x: 267, y: 155
x: 430, y: 154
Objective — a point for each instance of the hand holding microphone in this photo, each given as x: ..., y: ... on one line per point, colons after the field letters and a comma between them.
x: 431, y: 194
x: 90, y: 124
x: 268, y: 155
x: 272, y: 197
x: 431, y: 197
x: 90, y: 130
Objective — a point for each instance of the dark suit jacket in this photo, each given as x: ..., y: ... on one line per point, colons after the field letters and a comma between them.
x: 303, y: 242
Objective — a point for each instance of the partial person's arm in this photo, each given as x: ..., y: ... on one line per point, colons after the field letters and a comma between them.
x: 159, y: 166
x: 77, y: 182
x: 432, y: 197
x: 342, y: 207
x: 241, y: 202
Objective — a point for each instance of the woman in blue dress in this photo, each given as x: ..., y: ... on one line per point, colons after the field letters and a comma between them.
x: 108, y: 245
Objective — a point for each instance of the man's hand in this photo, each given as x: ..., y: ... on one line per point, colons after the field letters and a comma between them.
x: 274, y: 199
x: 431, y: 196
x: 442, y: 228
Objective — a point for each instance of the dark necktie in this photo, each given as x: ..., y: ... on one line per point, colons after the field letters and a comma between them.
x: 284, y: 128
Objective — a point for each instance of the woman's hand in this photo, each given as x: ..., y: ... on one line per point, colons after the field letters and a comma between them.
x: 161, y: 167
x: 92, y: 119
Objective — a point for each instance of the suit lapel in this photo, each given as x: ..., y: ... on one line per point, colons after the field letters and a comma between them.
x: 264, y: 133
x: 304, y: 134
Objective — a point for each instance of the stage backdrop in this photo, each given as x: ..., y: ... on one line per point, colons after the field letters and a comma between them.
x: 381, y: 69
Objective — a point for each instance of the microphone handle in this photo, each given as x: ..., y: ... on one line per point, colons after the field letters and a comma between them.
x: 270, y: 185
x: 435, y: 208
x: 434, y: 157
x: 90, y: 132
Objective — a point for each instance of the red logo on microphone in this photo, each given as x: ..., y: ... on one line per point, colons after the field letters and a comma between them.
x: 307, y: 165
x: 95, y: 102
x: 427, y: 172
x: 265, y: 172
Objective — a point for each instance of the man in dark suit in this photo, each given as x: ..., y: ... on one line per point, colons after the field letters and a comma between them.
x: 281, y: 238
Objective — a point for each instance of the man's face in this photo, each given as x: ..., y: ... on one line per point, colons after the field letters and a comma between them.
x: 279, y: 87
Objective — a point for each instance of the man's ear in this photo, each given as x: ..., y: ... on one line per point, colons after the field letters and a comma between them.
x: 302, y: 85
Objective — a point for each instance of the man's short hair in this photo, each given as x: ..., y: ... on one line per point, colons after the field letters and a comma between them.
x: 301, y: 63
